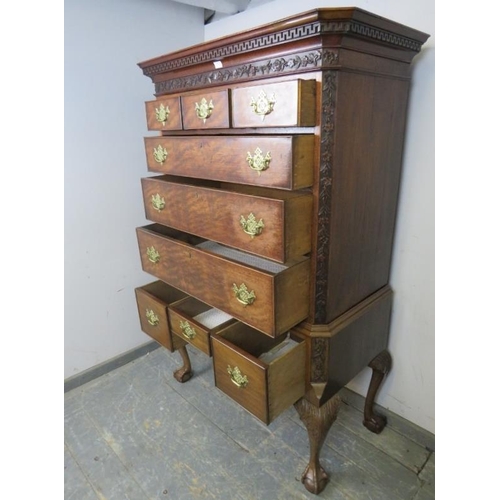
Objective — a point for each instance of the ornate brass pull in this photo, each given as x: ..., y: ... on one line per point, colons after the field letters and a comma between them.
x: 160, y: 154
x: 237, y: 378
x: 251, y: 226
x: 152, y: 318
x: 257, y: 161
x: 263, y: 105
x: 162, y: 114
x: 153, y: 255
x: 243, y: 295
x: 204, y: 109
x: 187, y: 330
x: 158, y: 202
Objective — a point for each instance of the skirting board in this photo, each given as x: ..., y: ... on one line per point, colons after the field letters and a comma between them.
x: 109, y: 365
x: 397, y: 423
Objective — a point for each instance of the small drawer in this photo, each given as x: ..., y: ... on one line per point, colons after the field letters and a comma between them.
x: 285, y: 104
x: 164, y: 114
x: 193, y: 321
x: 263, y: 375
x: 205, y: 110
x: 272, y: 224
x: 284, y: 162
x: 270, y: 297
x: 152, y: 303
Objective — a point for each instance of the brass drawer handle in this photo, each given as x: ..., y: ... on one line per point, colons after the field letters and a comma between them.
x: 263, y: 105
x: 251, y: 226
x: 162, y: 114
x: 237, y: 378
x: 257, y: 161
x: 243, y: 295
x: 204, y: 109
x: 187, y: 330
x: 160, y: 154
x: 158, y: 202
x: 152, y: 318
x: 153, y: 255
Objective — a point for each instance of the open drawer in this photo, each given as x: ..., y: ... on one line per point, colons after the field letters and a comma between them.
x: 194, y: 321
x: 153, y: 300
x: 263, y: 375
x: 269, y: 296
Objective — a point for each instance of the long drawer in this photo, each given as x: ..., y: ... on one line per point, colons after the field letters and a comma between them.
x: 272, y: 224
x: 270, y: 297
x: 283, y: 162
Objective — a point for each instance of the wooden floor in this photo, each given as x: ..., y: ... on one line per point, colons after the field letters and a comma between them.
x: 137, y: 434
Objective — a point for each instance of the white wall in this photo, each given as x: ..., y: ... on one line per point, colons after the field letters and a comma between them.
x: 409, y: 388
x: 104, y: 160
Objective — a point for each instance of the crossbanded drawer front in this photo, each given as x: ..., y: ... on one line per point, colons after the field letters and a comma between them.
x: 284, y: 162
x: 193, y: 321
x: 164, y: 114
x: 272, y: 224
x: 284, y: 104
x: 205, y: 110
x: 268, y: 296
x: 264, y: 387
x: 153, y: 301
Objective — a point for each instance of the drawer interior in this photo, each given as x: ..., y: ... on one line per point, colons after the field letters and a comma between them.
x: 202, y: 313
x: 166, y: 293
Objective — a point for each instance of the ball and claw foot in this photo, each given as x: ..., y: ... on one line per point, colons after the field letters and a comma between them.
x: 184, y: 373
x: 314, y: 479
x: 376, y: 423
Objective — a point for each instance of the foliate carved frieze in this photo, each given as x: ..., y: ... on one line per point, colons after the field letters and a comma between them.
x: 294, y: 33
x: 328, y: 100
x: 269, y: 67
x: 319, y: 352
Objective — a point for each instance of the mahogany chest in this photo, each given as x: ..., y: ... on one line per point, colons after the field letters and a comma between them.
x: 272, y: 216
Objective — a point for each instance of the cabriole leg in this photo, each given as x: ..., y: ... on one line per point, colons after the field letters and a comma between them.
x: 184, y: 373
x: 318, y: 421
x: 380, y: 365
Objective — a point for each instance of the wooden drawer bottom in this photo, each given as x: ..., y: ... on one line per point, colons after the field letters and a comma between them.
x: 263, y: 375
x: 153, y: 300
x: 193, y: 321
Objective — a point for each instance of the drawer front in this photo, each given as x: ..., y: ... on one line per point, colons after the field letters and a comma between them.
x: 270, y: 302
x: 285, y: 104
x: 205, y: 110
x: 278, y: 162
x: 164, y: 114
x: 265, y: 389
x: 190, y: 331
x: 278, y: 229
x: 152, y: 304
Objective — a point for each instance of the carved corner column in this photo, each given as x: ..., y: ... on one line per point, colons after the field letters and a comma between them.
x: 184, y: 373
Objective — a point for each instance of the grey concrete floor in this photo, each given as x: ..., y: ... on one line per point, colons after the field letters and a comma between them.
x: 137, y: 434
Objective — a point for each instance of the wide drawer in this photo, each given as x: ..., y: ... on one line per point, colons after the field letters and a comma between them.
x: 263, y: 375
x: 272, y: 224
x: 153, y: 301
x: 284, y: 162
x: 194, y: 321
x: 270, y: 297
x: 164, y: 114
x: 284, y: 104
x: 205, y: 110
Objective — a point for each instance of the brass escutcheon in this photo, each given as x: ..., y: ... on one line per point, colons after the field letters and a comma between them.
x: 243, y: 295
x: 158, y: 202
x: 257, y: 161
x: 153, y: 319
x: 204, y: 109
x: 162, y: 114
x: 251, y: 226
x: 153, y: 255
x: 187, y: 330
x: 160, y: 154
x: 263, y: 105
x: 237, y: 378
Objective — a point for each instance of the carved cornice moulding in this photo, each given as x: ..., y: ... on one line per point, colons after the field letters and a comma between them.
x: 295, y: 33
